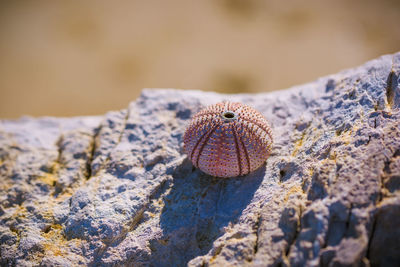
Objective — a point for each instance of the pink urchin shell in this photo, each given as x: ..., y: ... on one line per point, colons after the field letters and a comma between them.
x: 228, y: 139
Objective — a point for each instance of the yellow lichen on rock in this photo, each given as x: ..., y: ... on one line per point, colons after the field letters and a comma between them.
x: 50, y: 178
x: 53, y: 239
x: 294, y: 190
x: 20, y: 212
x: 55, y: 242
x: 298, y: 144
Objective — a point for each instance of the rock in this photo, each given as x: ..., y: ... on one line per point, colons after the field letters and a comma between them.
x: 118, y: 190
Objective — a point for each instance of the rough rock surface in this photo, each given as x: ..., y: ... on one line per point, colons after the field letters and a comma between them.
x: 118, y: 190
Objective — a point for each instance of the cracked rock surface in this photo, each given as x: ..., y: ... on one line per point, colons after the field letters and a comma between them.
x: 118, y: 190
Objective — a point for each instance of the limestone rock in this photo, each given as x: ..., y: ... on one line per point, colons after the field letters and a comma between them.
x: 118, y: 190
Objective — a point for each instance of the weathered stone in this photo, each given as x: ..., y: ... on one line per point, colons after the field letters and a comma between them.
x: 118, y: 190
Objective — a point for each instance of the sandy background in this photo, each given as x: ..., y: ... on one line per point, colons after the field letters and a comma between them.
x: 65, y: 58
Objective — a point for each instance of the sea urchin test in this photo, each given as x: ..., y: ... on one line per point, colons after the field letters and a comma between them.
x: 228, y: 139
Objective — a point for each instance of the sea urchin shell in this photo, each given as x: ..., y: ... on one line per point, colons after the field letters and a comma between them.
x: 228, y: 139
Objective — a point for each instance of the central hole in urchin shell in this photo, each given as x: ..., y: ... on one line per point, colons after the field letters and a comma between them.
x: 229, y: 115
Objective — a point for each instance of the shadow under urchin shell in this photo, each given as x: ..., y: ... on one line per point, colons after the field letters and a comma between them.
x: 186, y: 215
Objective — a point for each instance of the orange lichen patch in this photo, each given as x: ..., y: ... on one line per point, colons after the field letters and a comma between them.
x: 47, y: 208
x: 53, y: 237
x: 55, y: 242
x: 17, y: 233
x: 217, y: 251
x: 50, y: 178
x: 20, y: 212
x: 388, y: 107
x: 151, y: 214
x: 5, y: 186
x: 331, y: 158
x: 333, y: 155
x: 298, y: 144
x: 296, y: 189
x: 310, y: 172
x: 346, y: 136
x: 326, y: 164
x: 316, y: 134
x: 47, y: 212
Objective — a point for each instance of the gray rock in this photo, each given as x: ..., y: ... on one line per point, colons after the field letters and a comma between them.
x: 118, y: 189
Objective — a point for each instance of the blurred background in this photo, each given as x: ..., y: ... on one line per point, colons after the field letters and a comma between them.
x: 65, y: 58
